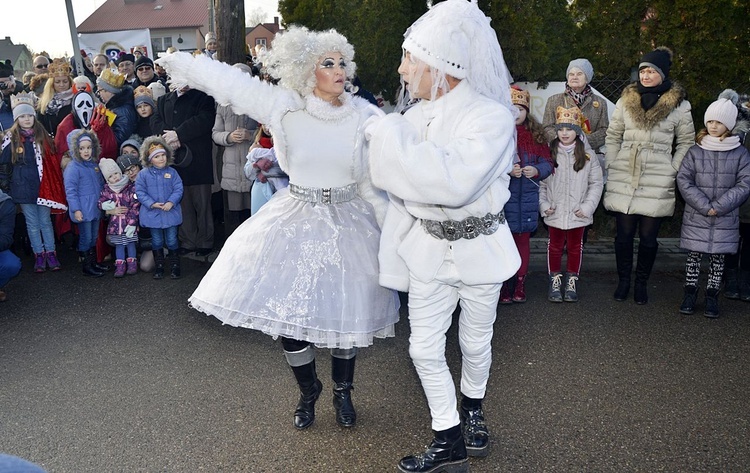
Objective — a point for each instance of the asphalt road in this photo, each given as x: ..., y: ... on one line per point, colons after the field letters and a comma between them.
x: 122, y: 376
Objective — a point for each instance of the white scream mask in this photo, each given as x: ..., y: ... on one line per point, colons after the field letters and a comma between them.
x: 83, y: 108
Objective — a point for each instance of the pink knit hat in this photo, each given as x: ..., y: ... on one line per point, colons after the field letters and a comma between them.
x: 723, y: 111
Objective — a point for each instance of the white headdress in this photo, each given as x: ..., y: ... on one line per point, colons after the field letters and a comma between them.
x: 456, y: 38
x: 295, y: 53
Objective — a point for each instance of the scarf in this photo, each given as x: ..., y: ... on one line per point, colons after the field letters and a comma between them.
x: 28, y: 134
x: 712, y: 143
x: 578, y: 97
x: 60, y: 100
x: 120, y: 185
x: 528, y: 146
x: 651, y: 95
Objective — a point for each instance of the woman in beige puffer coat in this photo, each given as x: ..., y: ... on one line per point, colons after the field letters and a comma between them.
x: 649, y: 134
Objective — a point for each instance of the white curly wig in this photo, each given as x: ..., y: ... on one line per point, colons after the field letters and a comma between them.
x: 295, y: 54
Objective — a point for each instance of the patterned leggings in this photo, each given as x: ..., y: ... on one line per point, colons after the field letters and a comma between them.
x: 693, y: 269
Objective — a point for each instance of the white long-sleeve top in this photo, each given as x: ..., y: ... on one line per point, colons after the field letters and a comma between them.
x: 317, y: 144
x: 444, y: 160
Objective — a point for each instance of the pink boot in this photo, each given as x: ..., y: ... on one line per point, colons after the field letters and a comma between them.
x: 132, y: 266
x: 119, y: 268
x: 52, y: 262
x: 519, y: 294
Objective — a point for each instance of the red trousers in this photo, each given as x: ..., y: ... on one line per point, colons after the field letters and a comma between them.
x: 524, y: 249
x: 559, y: 240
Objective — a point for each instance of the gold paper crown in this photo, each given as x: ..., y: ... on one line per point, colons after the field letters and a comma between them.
x: 142, y: 90
x: 59, y: 68
x: 22, y: 98
x: 520, y: 97
x: 568, y: 116
x: 115, y: 79
x: 154, y: 147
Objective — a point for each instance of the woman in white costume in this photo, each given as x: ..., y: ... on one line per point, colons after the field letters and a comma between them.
x: 305, y: 266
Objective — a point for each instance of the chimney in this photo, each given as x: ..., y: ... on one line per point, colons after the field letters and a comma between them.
x: 276, y: 20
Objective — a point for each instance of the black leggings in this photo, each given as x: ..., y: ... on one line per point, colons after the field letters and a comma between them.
x: 647, y: 227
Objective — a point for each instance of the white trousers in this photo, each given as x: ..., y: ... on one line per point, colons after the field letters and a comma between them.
x: 431, y: 306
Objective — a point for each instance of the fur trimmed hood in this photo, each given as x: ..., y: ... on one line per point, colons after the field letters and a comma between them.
x: 646, y: 120
x: 155, y: 140
x: 73, y: 141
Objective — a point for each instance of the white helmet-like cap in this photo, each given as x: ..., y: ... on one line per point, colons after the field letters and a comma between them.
x: 455, y: 38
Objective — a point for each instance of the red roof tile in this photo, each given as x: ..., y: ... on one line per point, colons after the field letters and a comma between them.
x: 115, y: 15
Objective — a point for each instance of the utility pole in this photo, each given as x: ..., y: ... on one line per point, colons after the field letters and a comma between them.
x: 230, y: 30
x: 74, y: 38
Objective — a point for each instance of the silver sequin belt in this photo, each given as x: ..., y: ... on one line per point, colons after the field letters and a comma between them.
x: 329, y: 195
x: 469, y: 228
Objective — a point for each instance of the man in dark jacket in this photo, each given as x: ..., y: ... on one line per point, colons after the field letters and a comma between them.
x: 10, y: 265
x: 185, y: 119
x: 8, y: 86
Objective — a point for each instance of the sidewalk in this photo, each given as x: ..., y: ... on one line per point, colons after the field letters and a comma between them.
x: 599, y: 255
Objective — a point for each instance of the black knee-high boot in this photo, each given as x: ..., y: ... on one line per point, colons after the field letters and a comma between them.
x: 646, y: 258
x: 342, y: 372
x: 309, y: 388
x: 624, y: 259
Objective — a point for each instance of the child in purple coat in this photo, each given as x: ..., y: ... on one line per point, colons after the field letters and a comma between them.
x: 118, y: 197
x: 159, y: 189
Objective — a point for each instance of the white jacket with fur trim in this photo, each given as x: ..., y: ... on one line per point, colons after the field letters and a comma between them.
x: 444, y: 160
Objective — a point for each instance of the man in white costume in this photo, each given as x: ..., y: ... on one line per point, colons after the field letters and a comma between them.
x: 445, y: 165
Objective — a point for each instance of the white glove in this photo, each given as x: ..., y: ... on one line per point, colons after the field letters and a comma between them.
x: 130, y: 231
x: 108, y: 205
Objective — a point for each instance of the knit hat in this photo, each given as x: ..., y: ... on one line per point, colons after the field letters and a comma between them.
x: 455, y: 38
x: 110, y: 81
x: 6, y: 69
x: 134, y: 141
x: 210, y: 37
x: 125, y: 57
x: 108, y: 167
x: 723, y: 111
x: 143, y: 94
x: 127, y: 160
x: 520, y: 97
x: 22, y: 104
x: 157, y: 90
x: 584, y: 65
x: 660, y: 59
x: 568, y: 118
x: 144, y: 61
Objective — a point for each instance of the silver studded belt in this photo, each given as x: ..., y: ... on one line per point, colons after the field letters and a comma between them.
x: 329, y: 195
x: 469, y: 228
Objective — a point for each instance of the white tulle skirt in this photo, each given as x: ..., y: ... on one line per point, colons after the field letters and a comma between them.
x: 304, y: 271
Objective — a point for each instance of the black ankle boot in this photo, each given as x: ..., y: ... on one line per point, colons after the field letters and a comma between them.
x: 310, y: 388
x: 688, y: 302
x: 342, y: 372
x: 174, y: 265
x: 101, y: 267
x: 446, y: 453
x: 476, y: 434
x: 158, y: 263
x: 87, y: 267
x: 712, y: 303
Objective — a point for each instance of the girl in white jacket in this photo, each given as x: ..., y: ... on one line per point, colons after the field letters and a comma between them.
x: 567, y: 201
